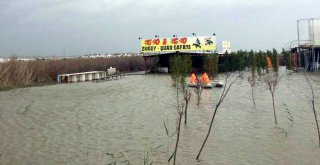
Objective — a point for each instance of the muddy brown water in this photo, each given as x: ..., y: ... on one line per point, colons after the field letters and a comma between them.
x: 84, y: 123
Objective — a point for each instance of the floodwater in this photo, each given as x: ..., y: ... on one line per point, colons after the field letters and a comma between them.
x: 85, y: 123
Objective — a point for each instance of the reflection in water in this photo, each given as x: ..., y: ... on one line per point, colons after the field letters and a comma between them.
x: 83, y: 123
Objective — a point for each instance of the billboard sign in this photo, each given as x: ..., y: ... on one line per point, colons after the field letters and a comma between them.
x: 226, y: 45
x: 223, y: 47
x: 178, y: 44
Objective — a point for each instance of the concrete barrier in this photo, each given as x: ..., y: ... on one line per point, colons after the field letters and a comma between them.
x: 82, y: 76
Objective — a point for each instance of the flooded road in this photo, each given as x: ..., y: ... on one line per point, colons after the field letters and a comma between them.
x: 85, y: 123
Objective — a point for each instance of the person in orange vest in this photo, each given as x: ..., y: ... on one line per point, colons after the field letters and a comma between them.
x: 193, y: 78
x: 205, y: 78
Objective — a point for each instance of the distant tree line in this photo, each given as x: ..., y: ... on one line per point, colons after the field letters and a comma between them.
x: 240, y: 60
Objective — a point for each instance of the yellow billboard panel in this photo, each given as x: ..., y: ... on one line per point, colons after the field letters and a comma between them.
x: 178, y: 44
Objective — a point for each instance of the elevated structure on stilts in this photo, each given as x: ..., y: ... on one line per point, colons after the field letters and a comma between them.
x: 305, y: 51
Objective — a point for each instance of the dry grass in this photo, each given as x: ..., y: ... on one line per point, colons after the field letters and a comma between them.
x: 25, y: 73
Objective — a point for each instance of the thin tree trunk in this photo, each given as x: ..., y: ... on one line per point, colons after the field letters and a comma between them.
x: 313, y: 107
x: 177, y: 142
x: 224, y: 93
x: 205, y: 140
x: 177, y: 95
x: 187, y: 97
x: 253, y: 101
x: 186, y: 112
x: 274, y: 109
x: 316, y: 119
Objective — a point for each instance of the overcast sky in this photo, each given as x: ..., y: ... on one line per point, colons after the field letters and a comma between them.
x: 48, y: 27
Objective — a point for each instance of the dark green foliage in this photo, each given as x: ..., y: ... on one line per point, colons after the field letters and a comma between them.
x: 180, y: 67
x: 211, y: 64
x: 288, y: 59
x: 227, y: 62
x: 232, y: 62
x: 274, y: 59
x: 259, y: 62
x: 184, y: 70
x: 264, y: 63
x: 175, y: 69
x: 240, y: 60
x: 235, y: 61
x: 252, y: 62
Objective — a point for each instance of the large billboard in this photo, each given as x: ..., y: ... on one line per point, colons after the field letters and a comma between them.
x: 178, y: 44
x: 225, y: 47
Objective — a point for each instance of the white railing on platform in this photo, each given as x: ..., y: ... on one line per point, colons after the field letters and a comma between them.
x: 86, y: 76
x: 81, y: 77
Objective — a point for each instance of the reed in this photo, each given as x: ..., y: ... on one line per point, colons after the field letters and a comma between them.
x: 25, y: 73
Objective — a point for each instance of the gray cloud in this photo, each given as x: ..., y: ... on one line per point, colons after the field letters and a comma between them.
x: 47, y: 27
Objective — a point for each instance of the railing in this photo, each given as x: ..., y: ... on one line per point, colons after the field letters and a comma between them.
x: 296, y: 43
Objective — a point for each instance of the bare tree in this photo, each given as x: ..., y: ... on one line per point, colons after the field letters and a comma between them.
x: 198, y: 91
x: 187, y: 96
x: 272, y: 79
x: 180, y: 113
x: 223, y: 95
x: 252, y: 82
x: 252, y: 76
x: 313, y: 106
x: 179, y: 70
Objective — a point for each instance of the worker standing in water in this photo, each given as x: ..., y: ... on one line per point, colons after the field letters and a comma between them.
x: 205, y: 78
